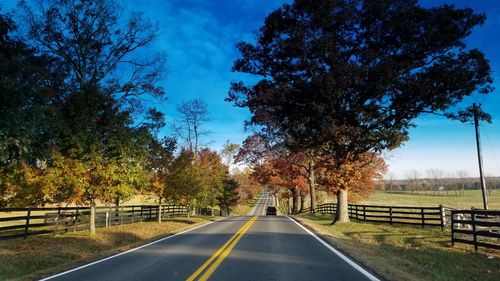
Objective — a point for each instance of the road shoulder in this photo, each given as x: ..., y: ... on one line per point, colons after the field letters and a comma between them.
x: 400, y: 252
x: 42, y: 256
x: 330, y: 241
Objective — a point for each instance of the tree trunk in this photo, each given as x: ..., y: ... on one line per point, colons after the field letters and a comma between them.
x: 311, y: 180
x: 301, y: 203
x: 295, y: 201
x: 342, y: 215
x: 159, y: 209
x: 92, y: 217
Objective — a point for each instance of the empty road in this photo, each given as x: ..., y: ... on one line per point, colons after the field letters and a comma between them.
x: 254, y: 247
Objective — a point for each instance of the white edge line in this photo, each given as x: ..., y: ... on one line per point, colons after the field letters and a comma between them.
x: 128, y: 251
x: 342, y: 256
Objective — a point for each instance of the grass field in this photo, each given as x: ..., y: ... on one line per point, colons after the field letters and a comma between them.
x: 246, y: 208
x: 42, y: 255
x: 472, y: 198
x: 407, y: 253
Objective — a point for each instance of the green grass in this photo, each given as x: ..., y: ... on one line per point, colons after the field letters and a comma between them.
x: 407, y: 253
x: 247, y: 207
x: 43, y: 255
x: 472, y: 198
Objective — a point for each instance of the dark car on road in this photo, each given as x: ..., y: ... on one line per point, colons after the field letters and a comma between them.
x: 271, y: 211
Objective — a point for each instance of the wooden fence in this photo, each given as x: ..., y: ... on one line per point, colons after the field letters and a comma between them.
x: 23, y: 222
x: 421, y: 216
x: 480, y: 228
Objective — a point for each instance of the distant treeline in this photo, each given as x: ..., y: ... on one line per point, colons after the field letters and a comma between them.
x: 458, y: 185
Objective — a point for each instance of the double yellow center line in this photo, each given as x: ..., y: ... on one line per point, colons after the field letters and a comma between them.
x: 216, y: 259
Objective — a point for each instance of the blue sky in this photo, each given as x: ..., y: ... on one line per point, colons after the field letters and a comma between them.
x: 199, y: 38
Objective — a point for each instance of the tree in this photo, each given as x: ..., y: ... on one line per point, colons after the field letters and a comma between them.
x: 389, y: 181
x: 104, y: 84
x: 248, y: 188
x: 190, y: 127
x: 89, y: 37
x: 462, y: 175
x: 229, y: 196
x: 413, y: 177
x: 281, y: 174
x: 307, y: 161
x: 359, y: 176
x: 161, y: 153
x: 228, y: 153
x: 349, y: 77
x: 183, y: 180
x: 436, y: 176
x: 211, y: 172
x: 32, y: 89
x: 257, y: 150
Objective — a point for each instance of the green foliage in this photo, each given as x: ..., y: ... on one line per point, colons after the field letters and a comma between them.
x: 67, y: 128
x: 229, y: 151
x: 197, y: 180
x: 229, y: 196
x: 183, y: 182
x: 211, y: 172
x: 346, y: 78
x: 161, y: 156
x: 350, y: 76
x: 31, y: 88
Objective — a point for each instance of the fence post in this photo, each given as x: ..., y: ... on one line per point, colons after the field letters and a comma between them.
x: 364, y: 213
x: 473, y: 219
x: 423, y: 216
x: 110, y: 222
x: 452, y: 228
x: 121, y: 215
x: 141, y: 212
x: 27, y: 226
x: 106, y: 220
x: 390, y: 215
x: 57, y: 220
x: 75, y: 224
x: 441, y: 216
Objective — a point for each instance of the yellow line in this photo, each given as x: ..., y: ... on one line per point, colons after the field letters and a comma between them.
x: 226, y: 252
x: 219, y: 251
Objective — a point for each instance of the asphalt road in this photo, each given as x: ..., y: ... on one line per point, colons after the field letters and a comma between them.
x: 236, y: 248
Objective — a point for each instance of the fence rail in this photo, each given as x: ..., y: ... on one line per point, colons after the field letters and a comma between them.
x: 24, y: 222
x: 480, y: 228
x: 421, y: 216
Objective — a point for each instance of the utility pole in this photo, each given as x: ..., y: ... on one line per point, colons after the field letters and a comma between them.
x: 475, y: 108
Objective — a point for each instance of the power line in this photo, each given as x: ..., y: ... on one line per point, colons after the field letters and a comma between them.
x: 483, y: 129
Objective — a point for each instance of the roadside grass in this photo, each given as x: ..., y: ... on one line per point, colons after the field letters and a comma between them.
x: 43, y: 255
x: 398, y: 252
x: 246, y: 208
x: 471, y: 198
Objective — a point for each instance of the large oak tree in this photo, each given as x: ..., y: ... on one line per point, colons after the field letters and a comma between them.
x: 350, y: 76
